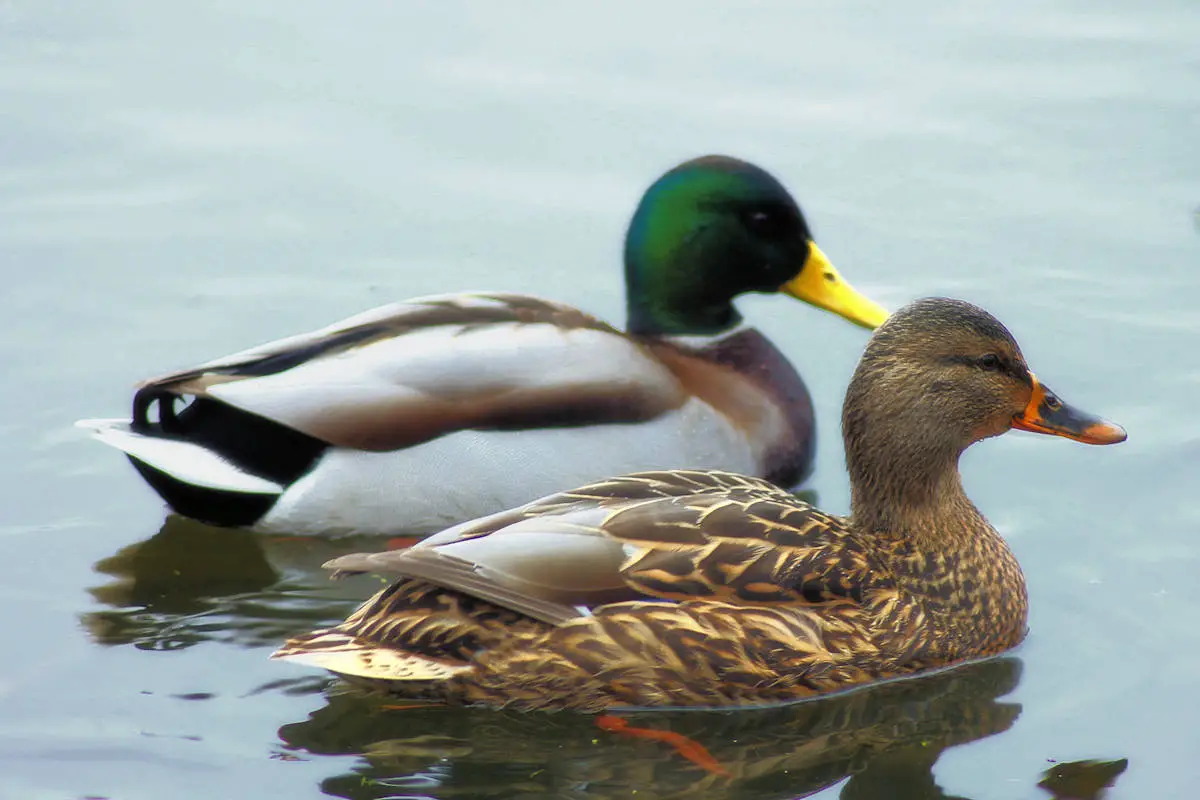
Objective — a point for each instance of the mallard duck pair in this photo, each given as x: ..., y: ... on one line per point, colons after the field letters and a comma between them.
x: 421, y: 414
x: 706, y: 588
x: 672, y: 587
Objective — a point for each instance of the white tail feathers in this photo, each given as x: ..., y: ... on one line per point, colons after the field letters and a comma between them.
x: 184, y: 461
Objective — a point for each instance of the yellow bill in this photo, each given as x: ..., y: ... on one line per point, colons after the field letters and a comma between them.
x: 819, y: 284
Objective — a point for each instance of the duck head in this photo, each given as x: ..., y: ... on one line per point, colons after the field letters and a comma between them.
x: 714, y: 228
x: 935, y: 378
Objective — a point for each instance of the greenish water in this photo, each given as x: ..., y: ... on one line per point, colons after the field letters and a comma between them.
x: 178, y: 182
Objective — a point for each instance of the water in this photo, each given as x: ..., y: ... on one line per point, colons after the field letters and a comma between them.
x: 180, y: 181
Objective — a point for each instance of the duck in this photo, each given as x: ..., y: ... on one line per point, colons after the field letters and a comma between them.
x: 709, y: 589
x: 421, y: 414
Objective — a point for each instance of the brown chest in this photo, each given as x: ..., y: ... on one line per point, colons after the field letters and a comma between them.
x: 972, y: 596
x: 752, y: 384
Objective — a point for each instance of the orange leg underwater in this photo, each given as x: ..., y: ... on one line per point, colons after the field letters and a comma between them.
x: 690, y: 749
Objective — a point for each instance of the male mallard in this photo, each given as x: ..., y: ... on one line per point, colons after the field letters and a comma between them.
x: 697, y: 588
x: 425, y: 413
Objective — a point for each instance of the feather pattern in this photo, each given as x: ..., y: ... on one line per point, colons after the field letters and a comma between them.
x: 721, y: 589
x: 409, y: 372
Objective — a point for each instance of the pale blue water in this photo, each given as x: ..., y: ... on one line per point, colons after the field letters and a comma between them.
x: 178, y: 181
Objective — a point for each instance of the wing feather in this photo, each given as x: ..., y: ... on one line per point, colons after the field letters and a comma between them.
x: 409, y: 372
x: 644, y: 537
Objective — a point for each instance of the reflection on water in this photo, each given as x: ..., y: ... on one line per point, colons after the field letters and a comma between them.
x: 885, y: 740
x: 191, y: 583
x: 1082, y: 780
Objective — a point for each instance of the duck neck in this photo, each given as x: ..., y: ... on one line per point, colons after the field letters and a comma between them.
x: 657, y: 305
x: 943, y: 552
x: 909, y: 488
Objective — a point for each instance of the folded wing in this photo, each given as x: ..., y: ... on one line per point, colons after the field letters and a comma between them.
x: 409, y: 372
x: 644, y: 536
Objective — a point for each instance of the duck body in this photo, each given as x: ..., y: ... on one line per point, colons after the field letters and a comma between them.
x: 707, y: 589
x: 422, y: 414
x: 417, y: 415
x: 678, y: 588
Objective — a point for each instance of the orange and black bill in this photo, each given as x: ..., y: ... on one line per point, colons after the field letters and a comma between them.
x: 1047, y: 414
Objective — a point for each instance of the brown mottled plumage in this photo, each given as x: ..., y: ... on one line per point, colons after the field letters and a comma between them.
x: 698, y: 588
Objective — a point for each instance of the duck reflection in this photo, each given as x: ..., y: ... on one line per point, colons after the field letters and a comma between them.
x: 192, y: 583
x: 883, y: 741
x: 1082, y: 780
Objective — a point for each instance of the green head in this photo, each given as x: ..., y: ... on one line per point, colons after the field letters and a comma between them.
x: 712, y: 229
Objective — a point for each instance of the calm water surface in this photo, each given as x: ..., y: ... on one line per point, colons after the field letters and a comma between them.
x: 178, y: 181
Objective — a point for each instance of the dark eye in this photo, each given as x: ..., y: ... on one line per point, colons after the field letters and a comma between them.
x: 991, y: 362
x: 769, y: 223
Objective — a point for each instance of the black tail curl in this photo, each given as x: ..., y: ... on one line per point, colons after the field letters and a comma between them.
x: 253, y: 443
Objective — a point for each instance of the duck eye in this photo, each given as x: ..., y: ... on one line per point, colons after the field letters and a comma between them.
x: 769, y: 223
x: 991, y: 361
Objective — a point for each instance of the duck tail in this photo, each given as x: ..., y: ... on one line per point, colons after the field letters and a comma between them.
x: 354, y: 658
x: 185, y: 461
x: 209, y: 460
x: 192, y: 479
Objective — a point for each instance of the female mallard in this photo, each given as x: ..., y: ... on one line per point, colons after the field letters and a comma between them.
x: 425, y: 413
x: 694, y: 588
